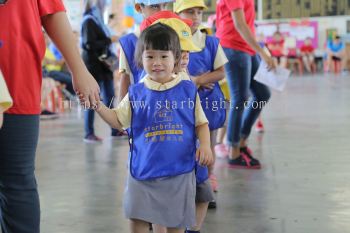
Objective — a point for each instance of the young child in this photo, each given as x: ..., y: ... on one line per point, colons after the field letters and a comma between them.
x: 204, y: 193
x: 206, y: 68
x: 307, y: 55
x: 165, y: 119
x: 129, y: 72
x: 5, y: 98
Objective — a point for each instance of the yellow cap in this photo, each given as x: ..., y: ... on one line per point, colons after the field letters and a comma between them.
x: 180, y: 5
x: 183, y: 31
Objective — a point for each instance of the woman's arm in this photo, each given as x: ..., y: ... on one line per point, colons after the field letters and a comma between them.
x: 247, y: 35
x: 59, y: 30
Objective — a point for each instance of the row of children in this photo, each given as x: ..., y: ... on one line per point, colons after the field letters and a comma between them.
x: 170, y: 60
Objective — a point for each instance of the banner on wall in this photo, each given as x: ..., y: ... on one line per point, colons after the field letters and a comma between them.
x: 299, y: 31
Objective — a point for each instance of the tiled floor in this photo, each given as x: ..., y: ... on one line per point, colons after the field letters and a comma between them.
x: 303, y: 186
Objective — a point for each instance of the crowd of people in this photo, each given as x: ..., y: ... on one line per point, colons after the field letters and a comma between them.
x: 170, y: 57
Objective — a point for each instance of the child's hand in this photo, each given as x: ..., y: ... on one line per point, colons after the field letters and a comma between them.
x: 209, y: 86
x: 82, y: 101
x: 204, y: 155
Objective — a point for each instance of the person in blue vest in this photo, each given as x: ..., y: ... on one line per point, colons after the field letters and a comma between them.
x: 204, y: 193
x: 165, y: 120
x: 206, y: 68
x: 129, y: 72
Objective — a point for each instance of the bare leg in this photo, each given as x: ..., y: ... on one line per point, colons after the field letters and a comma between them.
x: 201, y: 212
x: 306, y: 63
x: 138, y: 226
x: 175, y: 230
x: 213, y: 136
x: 221, y: 135
x: 283, y: 62
x: 234, y: 152
x: 159, y: 229
x: 343, y: 61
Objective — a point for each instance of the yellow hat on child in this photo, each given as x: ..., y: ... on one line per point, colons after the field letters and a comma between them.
x: 183, y: 31
x: 180, y: 5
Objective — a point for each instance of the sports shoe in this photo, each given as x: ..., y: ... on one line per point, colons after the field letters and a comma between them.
x: 221, y: 150
x: 259, y: 127
x: 213, y: 182
x: 246, y: 150
x: 92, y: 138
x: 244, y: 161
x: 47, y: 115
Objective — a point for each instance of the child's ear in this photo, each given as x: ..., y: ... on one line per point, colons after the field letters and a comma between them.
x: 138, y: 8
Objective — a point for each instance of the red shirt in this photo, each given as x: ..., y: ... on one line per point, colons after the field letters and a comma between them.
x: 307, y: 49
x: 225, y: 28
x: 276, y: 47
x: 22, y: 48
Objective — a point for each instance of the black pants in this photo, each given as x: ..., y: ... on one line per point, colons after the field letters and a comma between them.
x: 19, y: 200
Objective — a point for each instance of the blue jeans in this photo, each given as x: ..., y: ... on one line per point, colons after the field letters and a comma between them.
x: 107, y: 91
x: 244, y: 111
x: 19, y: 199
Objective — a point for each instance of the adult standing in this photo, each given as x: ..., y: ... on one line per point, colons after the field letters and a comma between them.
x: 235, y: 29
x: 22, y: 48
x: 96, y: 42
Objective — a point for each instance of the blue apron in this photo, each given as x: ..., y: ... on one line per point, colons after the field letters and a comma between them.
x: 211, y: 100
x: 202, y: 62
x: 163, y: 136
x: 128, y: 43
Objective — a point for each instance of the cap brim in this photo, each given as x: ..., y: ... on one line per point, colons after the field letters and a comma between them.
x: 187, y: 45
x: 182, y: 8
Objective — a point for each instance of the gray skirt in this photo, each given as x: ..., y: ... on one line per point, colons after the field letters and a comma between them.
x: 168, y: 201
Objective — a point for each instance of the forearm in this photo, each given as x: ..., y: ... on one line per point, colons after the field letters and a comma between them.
x: 123, y: 85
x: 58, y: 28
x: 203, y: 134
x: 211, y: 77
x: 244, y: 30
x: 109, y: 116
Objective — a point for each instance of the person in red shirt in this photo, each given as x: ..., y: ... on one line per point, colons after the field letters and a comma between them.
x: 307, y: 54
x: 277, y: 50
x: 22, y: 49
x: 235, y: 29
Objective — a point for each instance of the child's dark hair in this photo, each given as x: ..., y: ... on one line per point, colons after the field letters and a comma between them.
x: 158, y: 37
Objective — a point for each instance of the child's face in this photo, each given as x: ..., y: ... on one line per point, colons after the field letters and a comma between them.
x: 159, y: 64
x: 195, y: 14
x: 185, y: 59
x: 147, y: 11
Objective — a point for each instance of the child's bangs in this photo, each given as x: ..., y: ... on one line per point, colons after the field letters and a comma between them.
x: 159, y: 41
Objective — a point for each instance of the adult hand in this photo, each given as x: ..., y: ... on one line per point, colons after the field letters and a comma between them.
x: 87, y: 88
x: 269, y: 61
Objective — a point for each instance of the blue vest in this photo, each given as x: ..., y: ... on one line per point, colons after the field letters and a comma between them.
x: 163, y: 135
x: 211, y: 100
x: 128, y: 43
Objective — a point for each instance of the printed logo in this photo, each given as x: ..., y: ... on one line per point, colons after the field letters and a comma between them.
x: 185, y: 34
